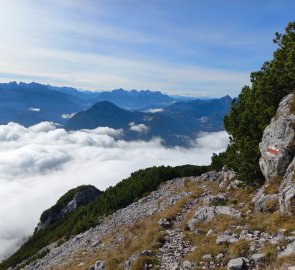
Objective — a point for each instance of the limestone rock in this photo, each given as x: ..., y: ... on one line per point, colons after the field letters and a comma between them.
x: 258, y: 257
x: 238, y: 264
x: 226, y: 177
x: 224, y: 238
x: 266, y: 202
x: 215, y: 200
x: 67, y: 204
x: 165, y: 223
x: 288, y: 251
x: 132, y: 259
x: 276, y: 146
x: 287, y: 191
x: 207, y: 213
x: 99, y: 265
x: 187, y: 264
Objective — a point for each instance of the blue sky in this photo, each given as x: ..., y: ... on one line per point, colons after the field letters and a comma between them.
x: 187, y: 47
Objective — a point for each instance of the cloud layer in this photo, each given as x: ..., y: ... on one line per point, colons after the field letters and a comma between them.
x: 40, y: 163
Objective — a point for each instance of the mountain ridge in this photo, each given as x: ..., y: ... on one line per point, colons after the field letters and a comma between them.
x: 177, y: 124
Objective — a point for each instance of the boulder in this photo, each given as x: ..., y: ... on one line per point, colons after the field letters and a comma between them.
x: 258, y: 257
x: 206, y: 213
x: 187, y: 264
x: 219, y: 199
x: 165, y: 223
x: 266, y: 202
x: 206, y: 257
x: 238, y: 264
x: 224, y: 238
x: 289, y: 250
x: 276, y: 146
x: 99, y: 265
x: 226, y: 177
x: 132, y: 259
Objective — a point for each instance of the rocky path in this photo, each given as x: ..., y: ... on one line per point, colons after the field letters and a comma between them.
x: 175, y: 246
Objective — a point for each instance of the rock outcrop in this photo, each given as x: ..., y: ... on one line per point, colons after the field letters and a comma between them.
x: 67, y: 204
x: 277, y: 149
x: 277, y: 162
x: 206, y: 213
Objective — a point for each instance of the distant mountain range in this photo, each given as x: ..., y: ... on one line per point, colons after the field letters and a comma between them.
x: 141, y: 114
x: 177, y: 124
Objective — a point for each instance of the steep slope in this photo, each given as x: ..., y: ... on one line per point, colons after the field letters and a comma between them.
x: 204, y: 222
x: 213, y: 221
x: 114, y: 198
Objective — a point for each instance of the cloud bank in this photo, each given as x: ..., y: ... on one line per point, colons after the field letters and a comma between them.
x: 39, y: 164
x: 141, y: 128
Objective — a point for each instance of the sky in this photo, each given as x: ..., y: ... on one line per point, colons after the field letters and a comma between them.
x: 41, y: 163
x: 184, y: 47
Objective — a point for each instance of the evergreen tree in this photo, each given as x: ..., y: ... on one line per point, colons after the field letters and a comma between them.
x: 256, y: 106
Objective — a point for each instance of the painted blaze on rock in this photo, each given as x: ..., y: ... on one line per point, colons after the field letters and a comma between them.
x: 272, y: 150
x: 276, y: 146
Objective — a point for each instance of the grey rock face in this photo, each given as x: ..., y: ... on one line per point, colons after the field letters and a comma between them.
x: 277, y: 160
x: 207, y: 213
x: 263, y: 201
x: 288, y: 251
x: 85, y: 195
x: 238, y: 264
x: 287, y: 200
x: 215, y: 200
x: 287, y: 191
x: 226, y: 178
x: 276, y: 146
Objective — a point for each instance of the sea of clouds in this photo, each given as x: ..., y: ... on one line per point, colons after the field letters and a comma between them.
x: 39, y: 164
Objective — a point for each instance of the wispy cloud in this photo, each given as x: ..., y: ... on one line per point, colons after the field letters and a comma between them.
x: 71, y: 43
x: 199, y: 48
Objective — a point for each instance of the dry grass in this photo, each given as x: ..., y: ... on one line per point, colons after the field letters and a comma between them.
x: 292, y: 205
x: 272, y: 205
x: 279, y: 262
x: 239, y: 249
x: 271, y: 222
x: 143, y: 235
x: 273, y: 186
x: 205, y: 245
x: 142, y: 261
x: 237, y: 196
x: 220, y: 223
x: 214, y: 187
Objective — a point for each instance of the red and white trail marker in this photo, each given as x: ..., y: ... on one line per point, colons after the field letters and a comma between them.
x: 272, y: 150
